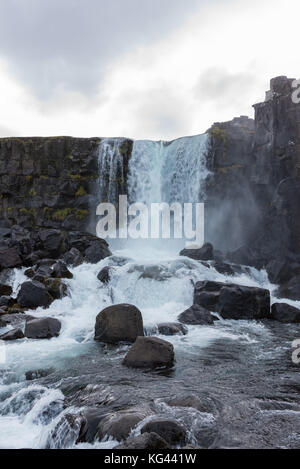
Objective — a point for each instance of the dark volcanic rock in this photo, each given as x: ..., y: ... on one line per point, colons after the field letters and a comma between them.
x: 14, y: 319
x: 56, y: 287
x: 233, y: 301
x: 119, y: 323
x: 14, y: 334
x: 33, y: 294
x: 283, y: 312
x: 196, y: 315
x: 291, y: 289
x: 37, y: 374
x: 60, y: 270
x: 171, y: 328
x: 280, y: 272
x: 146, y: 441
x: 5, y: 290
x: 150, y: 352
x: 51, y: 241
x: 73, y: 257
x: 7, y: 301
x: 97, y: 250
x: 42, y: 328
x: 9, y: 257
x: 206, y: 253
x: 169, y: 430
x: 104, y: 275
x: 118, y: 425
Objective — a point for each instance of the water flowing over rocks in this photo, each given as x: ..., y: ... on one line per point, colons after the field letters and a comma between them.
x: 149, y: 441
x: 119, y: 323
x: 150, y: 352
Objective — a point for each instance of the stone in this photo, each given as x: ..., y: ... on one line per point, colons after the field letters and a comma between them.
x: 290, y: 289
x: 9, y: 257
x: 150, y: 352
x: 104, y: 275
x: 73, y: 257
x: 97, y: 251
x: 285, y: 313
x: 60, y: 270
x: 119, y: 323
x: 171, y: 431
x: 196, y: 315
x: 14, y: 334
x: 171, y: 328
x: 42, y: 328
x: 34, y: 294
x: 56, y: 287
x: 14, y: 319
x: 149, y: 441
x: 51, y: 241
x: 119, y: 425
x: 206, y: 253
x: 5, y: 290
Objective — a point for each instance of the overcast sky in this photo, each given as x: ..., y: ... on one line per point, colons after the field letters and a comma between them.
x: 156, y: 69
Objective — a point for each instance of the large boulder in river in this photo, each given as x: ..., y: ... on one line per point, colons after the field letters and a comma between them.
x: 146, y: 441
x: 119, y: 323
x: 196, y: 315
x: 206, y: 253
x: 150, y: 352
x: 233, y: 301
x: 42, y: 328
x: 171, y: 328
x: 34, y: 294
x: 170, y: 430
x: 104, y: 275
x: 283, y: 312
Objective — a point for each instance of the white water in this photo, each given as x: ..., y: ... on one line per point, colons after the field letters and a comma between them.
x: 157, y: 281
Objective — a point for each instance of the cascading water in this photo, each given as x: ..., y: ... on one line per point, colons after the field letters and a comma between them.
x: 81, y: 373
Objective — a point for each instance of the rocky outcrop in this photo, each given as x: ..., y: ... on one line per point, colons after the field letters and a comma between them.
x: 119, y: 323
x: 150, y: 352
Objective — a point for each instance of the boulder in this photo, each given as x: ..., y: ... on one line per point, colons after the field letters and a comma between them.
x: 31, y: 375
x: 9, y: 257
x: 206, y: 253
x: 202, y: 404
x: 150, y: 352
x: 5, y: 290
x: 42, y: 328
x: 14, y: 334
x: 290, y: 289
x: 283, y: 312
x: 97, y: 250
x: 14, y: 319
x: 34, y: 294
x: 119, y: 323
x: 56, y: 287
x: 233, y: 301
x: 146, y: 441
x: 119, y: 425
x: 60, y: 270
x: 7, y: 301
x: 51, y: 241
x: 196, y: 315
x: 171, y: 431
x: 104, y: 275
x: 73, y: 257
x: 171, y: 328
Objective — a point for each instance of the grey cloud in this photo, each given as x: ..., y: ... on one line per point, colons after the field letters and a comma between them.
x: 227, y: 90
x: 57, y: 45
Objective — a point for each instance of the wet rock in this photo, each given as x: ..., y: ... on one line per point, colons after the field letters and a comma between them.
x: 146, y: 441
x: 233, y: 301
x: 51, y: 241
x: 65, y: 433
x: 171, y: 328
x: 223, y: 268
x: 30, y: 273
x: 60, y: 270
x: 280, y: 272
x: 7, y: 301
x: 14, y: 334
x: 5, y: 290
x: 9, y: 257
x: 150, y: 352
x: 285, y: 313
x: 73, y: 257
x: 42, y: 328
x: 14, y: 319
x: 92, y: 417
x: 34, y: 257
x: 196, y: 315
x: 206, y: 253
x: 56, y: 287
x: 290, y: 290
x: 34, y: 294
x: 104, y: 275
x: 202, y: 404
x: 169, y: 430
x: 119, y: 425
x: 37, y: 374
x: 119, y: 323
x: 97, y: 250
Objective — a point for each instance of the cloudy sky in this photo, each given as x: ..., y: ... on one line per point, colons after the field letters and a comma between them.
x: 157, y: 69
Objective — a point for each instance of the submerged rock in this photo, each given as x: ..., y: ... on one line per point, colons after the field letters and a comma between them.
x: 233, y: 301
x: 150, y: 352
x: 170, y: 430
x: 146, y: 441
x: 42, y: 328
x: 283, y: 312
x: 206, y: 253
x: 119, y: 323
x: 171, y: 328
x: 34, y: 294
x: 14, y: 334
x: 196, y: 315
